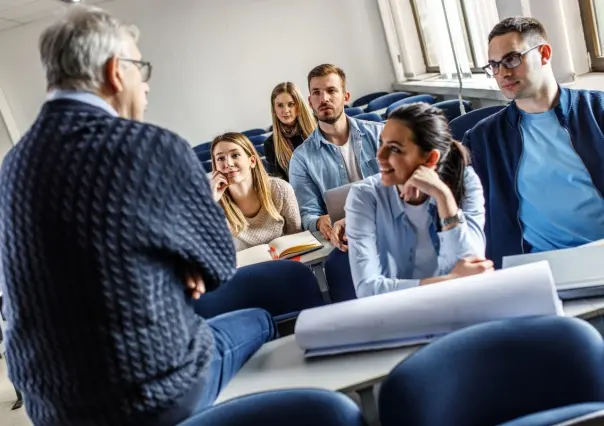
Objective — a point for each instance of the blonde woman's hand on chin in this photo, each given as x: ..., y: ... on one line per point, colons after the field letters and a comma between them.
x: 219, y: 184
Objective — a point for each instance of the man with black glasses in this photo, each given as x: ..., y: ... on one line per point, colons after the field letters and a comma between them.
x: 540, y: 158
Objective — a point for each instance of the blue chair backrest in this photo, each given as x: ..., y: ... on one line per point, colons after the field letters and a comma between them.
x: 281, y: 287
x: 369, y: 116
x: 429, y: 99
x: 463, y: 123
x: 253, y: 132
x: 451, y: 108
x: 260, y: 149
x: 496, y: 372
x: 258, y: 139
x: 291, y: 407
x: 339, y: 277
x: 386, y: 100
x: 203, y: 151
x: 352, y: 111
x: 207, y: 165
x: 364, y: 100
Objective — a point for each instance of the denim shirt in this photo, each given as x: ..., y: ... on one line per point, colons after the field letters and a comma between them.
x: 317, y: 166
x: 382, y: 258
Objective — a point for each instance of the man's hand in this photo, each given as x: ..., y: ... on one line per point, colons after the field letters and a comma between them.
x: 195, y: 285
x: 338, y: 235
x: 324, y: 226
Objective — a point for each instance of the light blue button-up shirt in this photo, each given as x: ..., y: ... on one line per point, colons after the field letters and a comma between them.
x: 317, y: 166
x: 382, y: 241
x: 84, y: 97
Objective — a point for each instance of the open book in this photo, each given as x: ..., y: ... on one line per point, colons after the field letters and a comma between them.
x: 284, y: 247
x: 420, y: 314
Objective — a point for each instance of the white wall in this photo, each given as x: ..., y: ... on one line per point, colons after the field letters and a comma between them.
x: 216, y: 61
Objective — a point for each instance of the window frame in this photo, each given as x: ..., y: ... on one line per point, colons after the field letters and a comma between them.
x: 592, y: 39
x: 476, y: 68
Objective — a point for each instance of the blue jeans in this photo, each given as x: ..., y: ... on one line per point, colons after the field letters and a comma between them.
x: 238, y: 335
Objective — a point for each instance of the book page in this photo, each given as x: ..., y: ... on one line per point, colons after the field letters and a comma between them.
x: 289, y: 244
x: 424, y: 312
x: 254, y: 255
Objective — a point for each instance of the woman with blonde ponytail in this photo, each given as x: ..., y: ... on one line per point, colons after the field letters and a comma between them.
x: 258, y: 208
x: 293, y: 122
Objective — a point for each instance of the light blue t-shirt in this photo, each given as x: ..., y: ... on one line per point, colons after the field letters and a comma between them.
x: 559, y: 204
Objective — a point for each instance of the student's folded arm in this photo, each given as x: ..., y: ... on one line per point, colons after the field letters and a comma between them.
x: 179, y: 218
x: 362, y: 247
x: 308, y: 195
x: 466, y: 239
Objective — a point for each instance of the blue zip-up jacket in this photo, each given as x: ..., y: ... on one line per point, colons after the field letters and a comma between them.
x: 496, y: 145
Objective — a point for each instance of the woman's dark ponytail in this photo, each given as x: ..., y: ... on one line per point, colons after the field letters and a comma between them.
x: 430, y: 130
x: 451, y: 170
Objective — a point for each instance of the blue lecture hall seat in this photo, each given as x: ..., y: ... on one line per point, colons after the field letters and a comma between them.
x: 429, y: 99
x: 451, y: 108
x: 253, y: 132
x: 462, y: 124
x: 385, y: 101
x: 364, y: 100
x: 258, y: 139
x: 369, y: 116
x: 352, y: 111
x: 495, y: 372
x: 339, y: 277
x: 283, y: 288
x: 291, y: 407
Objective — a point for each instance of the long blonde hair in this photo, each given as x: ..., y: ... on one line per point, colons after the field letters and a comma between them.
x: 261, y: 184
x: 305, y: 119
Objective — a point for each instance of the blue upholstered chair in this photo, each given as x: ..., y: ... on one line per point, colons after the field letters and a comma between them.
x: 369, y: 116
x: 281, y: 287
x: 463, y: 123
x: 339, y: 277
x: 253, y: 132
x: 495, y: 372
x: 451, y: 108
x: 258, y: 139
x: 291, y: 407
x: 428, y: 99
x: 352, y: 111
x: 364, y: 100
x: 203, y: 151
x: 385, y: 101
x: 588, y: 413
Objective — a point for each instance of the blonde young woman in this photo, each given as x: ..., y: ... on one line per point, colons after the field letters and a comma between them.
x: 293, y: 122
x: 258, y: 208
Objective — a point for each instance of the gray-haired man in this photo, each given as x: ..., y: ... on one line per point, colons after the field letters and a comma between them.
x: 108, y: 229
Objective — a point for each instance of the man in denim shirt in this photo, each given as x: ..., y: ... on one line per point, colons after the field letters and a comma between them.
x: 340, y: 151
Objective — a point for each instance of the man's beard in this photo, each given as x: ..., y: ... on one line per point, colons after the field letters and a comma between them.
x: 330, y: 120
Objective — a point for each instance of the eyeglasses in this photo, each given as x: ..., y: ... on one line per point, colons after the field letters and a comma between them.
x: 511, y: 61
x: 144, y: 67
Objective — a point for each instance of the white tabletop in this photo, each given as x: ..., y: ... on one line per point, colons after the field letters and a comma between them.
x: 280, y: 364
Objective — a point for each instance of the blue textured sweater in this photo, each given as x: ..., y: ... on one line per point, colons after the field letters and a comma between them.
x: 99, y: 218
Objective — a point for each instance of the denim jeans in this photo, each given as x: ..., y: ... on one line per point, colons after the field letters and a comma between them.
x: 238, y: 335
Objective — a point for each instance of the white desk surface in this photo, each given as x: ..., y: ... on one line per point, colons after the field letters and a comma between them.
x: 280, y: 364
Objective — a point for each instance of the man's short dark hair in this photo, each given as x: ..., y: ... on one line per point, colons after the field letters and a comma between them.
x: 526, y: 27
x: 324, y: 70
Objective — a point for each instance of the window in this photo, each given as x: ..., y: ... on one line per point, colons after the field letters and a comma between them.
x: 592, y: 14
x: 469, y: 20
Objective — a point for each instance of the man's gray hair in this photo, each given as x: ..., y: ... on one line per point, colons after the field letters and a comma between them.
x: 75, y: 49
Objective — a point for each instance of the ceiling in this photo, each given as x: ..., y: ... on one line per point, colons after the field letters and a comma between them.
x: 18, y: 12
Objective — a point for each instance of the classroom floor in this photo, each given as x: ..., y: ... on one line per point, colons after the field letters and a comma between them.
x: 9, y: 417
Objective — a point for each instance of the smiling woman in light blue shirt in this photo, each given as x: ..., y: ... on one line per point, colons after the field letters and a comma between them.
x: 420, y: 221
